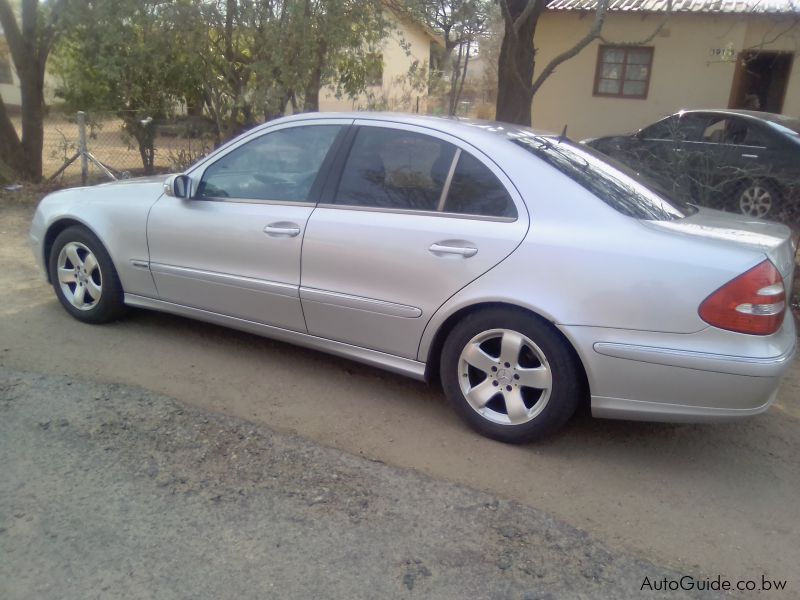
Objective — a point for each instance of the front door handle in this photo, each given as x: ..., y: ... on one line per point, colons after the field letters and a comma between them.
x: 749, y: 155
x: 282, y: 229
x: 442, y: 249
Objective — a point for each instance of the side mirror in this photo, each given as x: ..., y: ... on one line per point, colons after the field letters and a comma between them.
x: 178, y: 186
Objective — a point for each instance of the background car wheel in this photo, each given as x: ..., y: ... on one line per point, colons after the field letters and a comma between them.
x: 84, y: 277
x: 510, y: 375
x: 758, y: 198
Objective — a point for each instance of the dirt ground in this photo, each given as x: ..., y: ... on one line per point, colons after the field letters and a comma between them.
x: 110, y: 491
x: 711, y: 499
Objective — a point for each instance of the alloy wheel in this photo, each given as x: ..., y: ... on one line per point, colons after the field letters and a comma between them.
x: 505, y: 377
x: 755, y: 201
x: 79, y: 276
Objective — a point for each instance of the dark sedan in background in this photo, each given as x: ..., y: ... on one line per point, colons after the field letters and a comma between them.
x: 738, y: 160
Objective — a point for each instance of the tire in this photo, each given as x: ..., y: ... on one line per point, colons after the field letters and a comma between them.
x: 84, y: 278
x: 474, y: 373
x: 758, y: 198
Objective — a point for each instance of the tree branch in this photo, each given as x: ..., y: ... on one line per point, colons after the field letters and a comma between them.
x: 593, y: 34
x: 16, y: 44
x: 524, y: 15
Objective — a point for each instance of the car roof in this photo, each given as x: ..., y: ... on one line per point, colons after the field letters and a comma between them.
x: 735, y: 112
x: 460, y: 127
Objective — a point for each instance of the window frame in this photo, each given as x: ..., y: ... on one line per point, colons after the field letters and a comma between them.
x: 198, y: 171
x: 626, y: 49
x: 328, y: 197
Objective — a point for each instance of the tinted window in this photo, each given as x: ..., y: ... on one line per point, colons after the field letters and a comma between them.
x: 281, y: 166
x: 392, y: 168
x: 731, y: 131
x: 663, y: 130
x: 474, y: 190
x: 682, y: 127
x: 616, y: 185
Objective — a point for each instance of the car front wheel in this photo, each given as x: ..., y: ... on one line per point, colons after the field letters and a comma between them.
x: 84, y: 277
x: 510, y: 375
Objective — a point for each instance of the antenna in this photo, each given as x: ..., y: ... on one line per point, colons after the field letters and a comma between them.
x: 563, y: 135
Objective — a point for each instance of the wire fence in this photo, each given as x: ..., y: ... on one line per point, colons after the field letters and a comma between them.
x: 92, y: 147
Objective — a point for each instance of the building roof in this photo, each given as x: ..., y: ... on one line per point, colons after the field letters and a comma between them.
x: 697, y: 6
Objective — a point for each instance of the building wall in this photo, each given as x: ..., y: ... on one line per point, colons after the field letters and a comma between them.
x: 9, y: 91
x: 396, y: 63
x: 685, y: 74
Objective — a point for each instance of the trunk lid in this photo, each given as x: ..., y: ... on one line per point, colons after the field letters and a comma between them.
x: 772, y: 239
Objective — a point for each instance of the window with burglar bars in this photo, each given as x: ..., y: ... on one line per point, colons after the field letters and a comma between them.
x: 623, y: 72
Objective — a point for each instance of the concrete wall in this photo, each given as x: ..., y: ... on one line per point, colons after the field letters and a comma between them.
x: 684, y: 74
x: 396, y: 63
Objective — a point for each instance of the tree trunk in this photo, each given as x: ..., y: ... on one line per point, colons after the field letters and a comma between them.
x: 11, y: 152
x: 32, y: 93
x: 311, y: 95
x: 516, y: 63
x: 29, y: 43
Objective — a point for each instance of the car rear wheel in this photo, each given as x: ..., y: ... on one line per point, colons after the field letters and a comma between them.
x: 758, y: 199
x: 510, y: 375
x: 84, y: 277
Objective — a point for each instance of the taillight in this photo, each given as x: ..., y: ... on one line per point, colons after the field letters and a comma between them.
x: 754, y: 302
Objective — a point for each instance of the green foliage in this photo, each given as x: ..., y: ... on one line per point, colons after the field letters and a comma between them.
x: 125, y: 55
x: 258, y: 57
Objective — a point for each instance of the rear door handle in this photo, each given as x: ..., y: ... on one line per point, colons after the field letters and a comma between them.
x: 282, y: 229
x: 749, y: 155
x: 441, y: 249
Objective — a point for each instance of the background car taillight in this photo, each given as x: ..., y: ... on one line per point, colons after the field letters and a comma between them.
x: 754, y: 302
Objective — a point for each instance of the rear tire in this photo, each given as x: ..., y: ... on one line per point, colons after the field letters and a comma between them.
x: 758, y: 198
x: 511, y: 375
x: 84, y: 278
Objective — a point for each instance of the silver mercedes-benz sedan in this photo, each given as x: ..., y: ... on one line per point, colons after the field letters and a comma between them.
x: 522, y: 270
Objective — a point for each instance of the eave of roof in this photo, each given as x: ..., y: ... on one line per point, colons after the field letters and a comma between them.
x: 693, y: 6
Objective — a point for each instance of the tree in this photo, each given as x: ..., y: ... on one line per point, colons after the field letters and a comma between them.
x: 516, y: 84
x: 462, y: 24
x: 124, y: 56
x: 260, y: 56
x: 30, y: 40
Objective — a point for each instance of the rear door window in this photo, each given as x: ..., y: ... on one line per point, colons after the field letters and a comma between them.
x: 394, y: 168
x: 404, y: 170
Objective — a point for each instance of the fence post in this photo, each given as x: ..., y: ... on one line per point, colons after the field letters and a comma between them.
x: 82, y: 147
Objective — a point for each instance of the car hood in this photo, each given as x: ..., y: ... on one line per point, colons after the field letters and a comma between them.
x: 773, y: 239
x: 136, y: 180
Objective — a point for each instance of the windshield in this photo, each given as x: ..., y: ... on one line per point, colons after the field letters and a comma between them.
x: 615, y: 184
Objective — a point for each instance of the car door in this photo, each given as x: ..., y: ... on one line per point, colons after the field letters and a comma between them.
x: 234, y: 247
x: 730, y: 150
x: 412, y: 217
x: 658, y: 149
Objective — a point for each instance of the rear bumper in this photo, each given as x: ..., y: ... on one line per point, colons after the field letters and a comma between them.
x: 632, y: 379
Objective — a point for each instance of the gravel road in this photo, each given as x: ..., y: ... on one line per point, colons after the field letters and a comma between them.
x: 113, y: 491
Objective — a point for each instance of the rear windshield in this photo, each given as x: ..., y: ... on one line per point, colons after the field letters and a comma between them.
x: 615, y: 184
x: 785, y: 125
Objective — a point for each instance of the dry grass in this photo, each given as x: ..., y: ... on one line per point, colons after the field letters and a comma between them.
x: 107, y: 142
